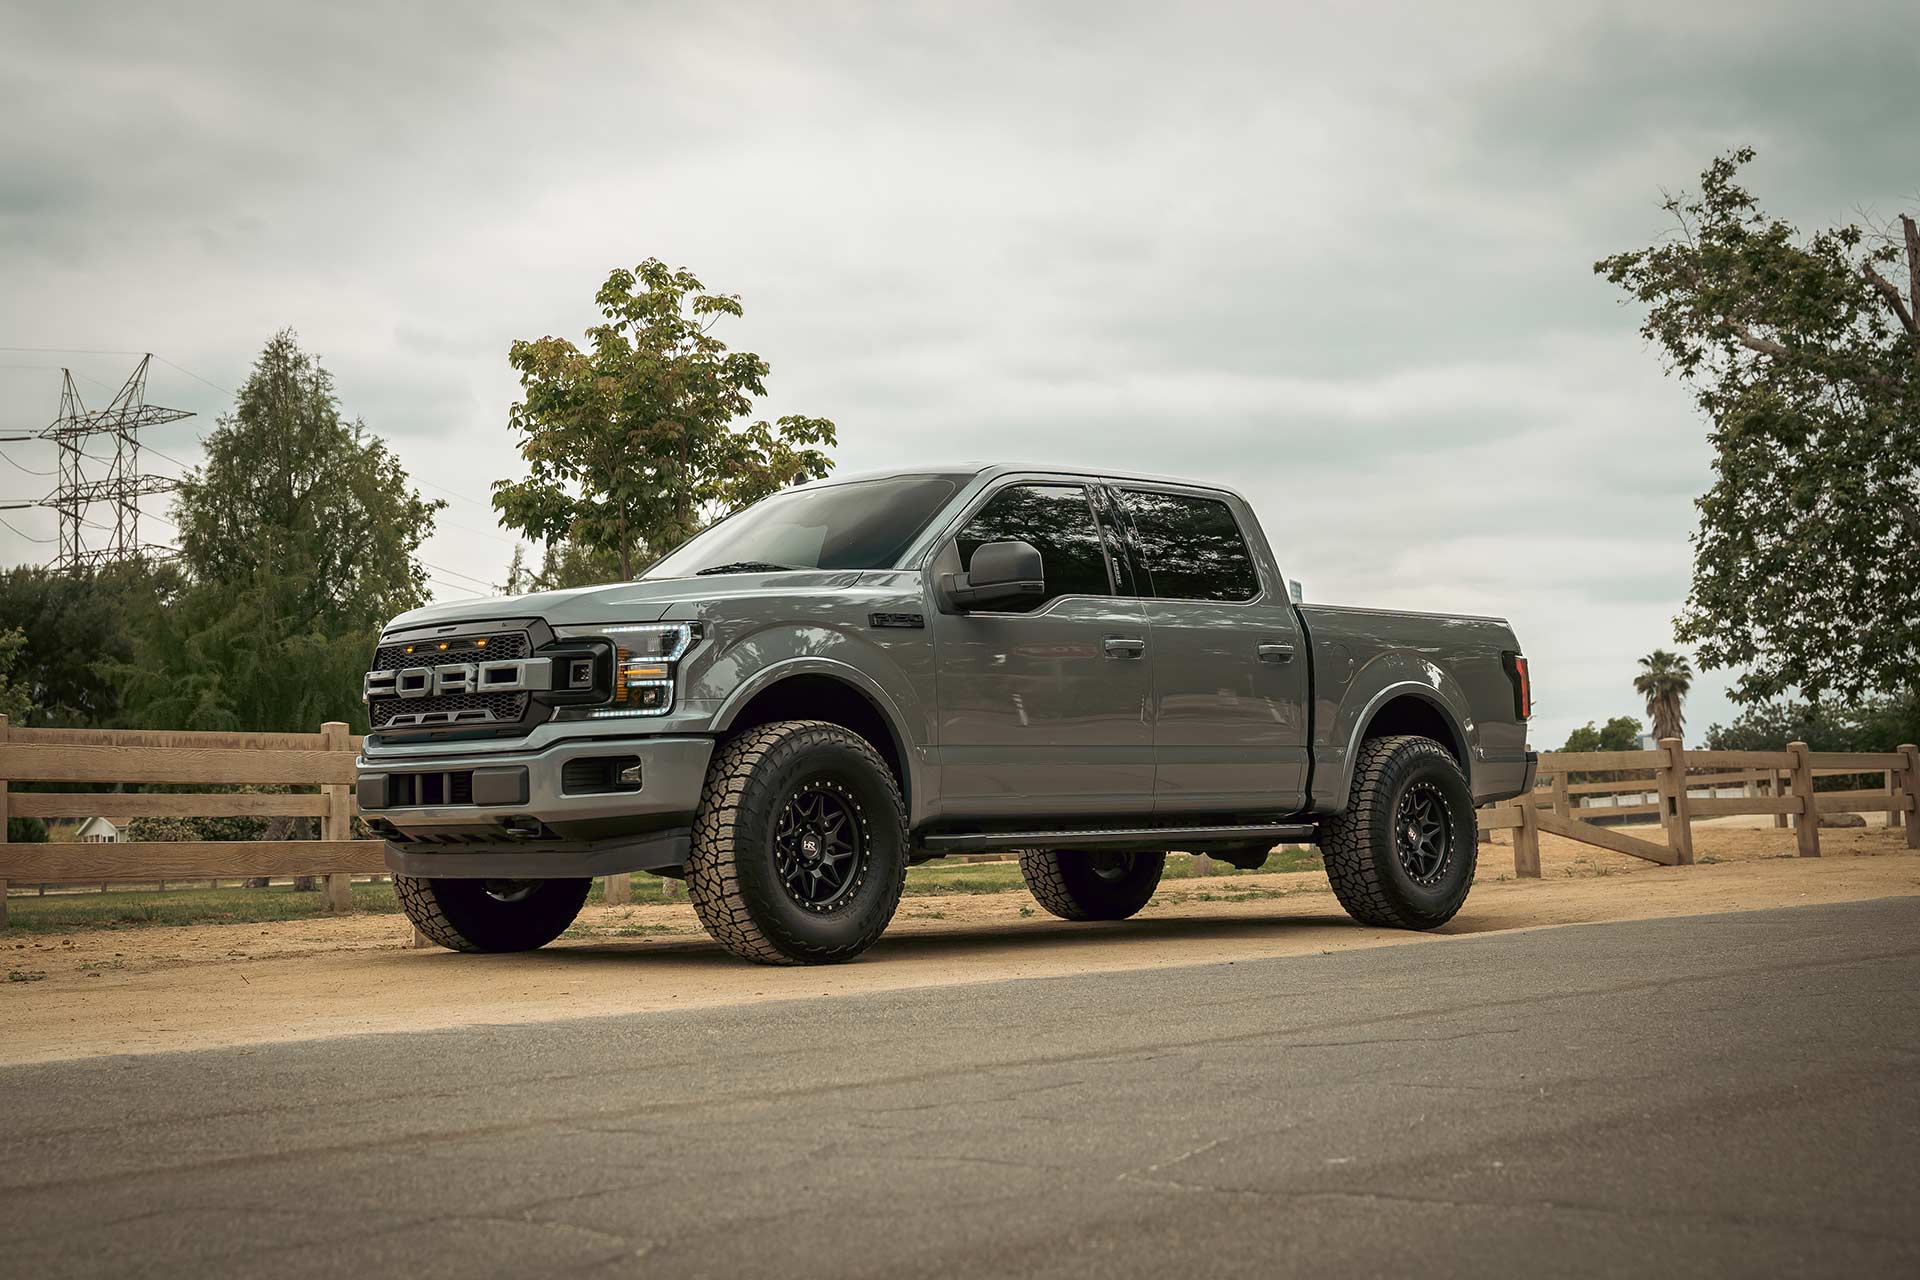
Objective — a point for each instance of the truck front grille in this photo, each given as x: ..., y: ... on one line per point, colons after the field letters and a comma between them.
x: 454, y: 709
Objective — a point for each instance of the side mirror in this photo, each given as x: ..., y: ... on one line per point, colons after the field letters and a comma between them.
x: 1000, y: 571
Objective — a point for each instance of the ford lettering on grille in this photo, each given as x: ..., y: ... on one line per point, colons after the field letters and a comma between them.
x: 489, y: 684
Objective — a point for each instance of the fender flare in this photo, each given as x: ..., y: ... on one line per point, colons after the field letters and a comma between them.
x: 1399, y: 689
x: 847, y: 674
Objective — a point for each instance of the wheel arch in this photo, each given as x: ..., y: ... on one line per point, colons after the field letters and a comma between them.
x: 1407, y: 707
x: 823, y: 689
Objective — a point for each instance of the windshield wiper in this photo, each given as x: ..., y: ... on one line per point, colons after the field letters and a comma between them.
x: 749, y: 566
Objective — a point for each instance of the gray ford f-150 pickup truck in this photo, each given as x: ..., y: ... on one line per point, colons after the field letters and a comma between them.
x: 860, y: 674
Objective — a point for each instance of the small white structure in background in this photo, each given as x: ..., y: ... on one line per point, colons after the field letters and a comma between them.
x: 1649, y: 743
x: 1294, y: 591
x: 97, y: 831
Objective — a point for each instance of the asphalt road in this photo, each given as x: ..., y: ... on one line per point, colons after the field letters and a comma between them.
x: 1712, y: 1095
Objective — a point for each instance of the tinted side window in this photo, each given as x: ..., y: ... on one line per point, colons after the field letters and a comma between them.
x: 1192, y: 546
x: 1058, y: 521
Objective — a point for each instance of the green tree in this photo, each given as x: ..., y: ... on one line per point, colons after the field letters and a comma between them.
x: 17, y: 707
x: 1663, y: 681
x: 1622, y: 733
x: 15, y: 703
x: 293, y: 492
x: 77, y: 628
x: 634, y: 443
x: 298, y: 538
x: 1805, y: 358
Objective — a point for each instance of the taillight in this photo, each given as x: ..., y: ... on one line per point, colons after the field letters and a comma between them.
x: 1522, y: 685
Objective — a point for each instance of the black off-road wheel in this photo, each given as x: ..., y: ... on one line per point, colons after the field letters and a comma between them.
x: 1091, y: 885
x: 799, y: 845
x: 1402, y: 855
x: 491, y: 915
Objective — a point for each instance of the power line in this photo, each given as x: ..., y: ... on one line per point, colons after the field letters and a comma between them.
x: 456, y: 573
x: 29, y: 470
x: 29, y: 537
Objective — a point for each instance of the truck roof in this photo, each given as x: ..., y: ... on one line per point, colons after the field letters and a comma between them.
x: 1005, y: 468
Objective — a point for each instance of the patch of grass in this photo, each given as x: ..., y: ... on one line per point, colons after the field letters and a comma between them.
x: 127, y: 909
x: 25, y: 975
x: 136, y: 908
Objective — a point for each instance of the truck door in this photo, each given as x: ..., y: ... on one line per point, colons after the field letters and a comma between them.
x: 1230, y: 669
x: 1044, y: 706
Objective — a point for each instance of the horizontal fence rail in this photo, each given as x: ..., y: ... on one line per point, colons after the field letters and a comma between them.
x: 1663, y: 784
x: 1779, y: 784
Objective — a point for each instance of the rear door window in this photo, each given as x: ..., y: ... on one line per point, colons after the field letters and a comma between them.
x: 1192, y: 546
x: 1058, y: 520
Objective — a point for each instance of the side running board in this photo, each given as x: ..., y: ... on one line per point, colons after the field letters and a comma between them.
x: 1137, y: 839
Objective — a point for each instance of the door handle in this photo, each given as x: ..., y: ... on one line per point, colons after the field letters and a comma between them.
x: 1125, y: 647
x: 1276, y: 653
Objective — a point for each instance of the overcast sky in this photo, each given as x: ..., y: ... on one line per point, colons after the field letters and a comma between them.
x: 1338, y: 256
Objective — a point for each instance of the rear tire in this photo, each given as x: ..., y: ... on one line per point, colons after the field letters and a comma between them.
x: 799, y: 845
x: 491, y: 915
x: 1091, y: 886
x: 1402, y: 855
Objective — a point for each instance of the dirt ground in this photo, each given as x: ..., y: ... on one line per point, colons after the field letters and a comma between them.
x: 160, y: 988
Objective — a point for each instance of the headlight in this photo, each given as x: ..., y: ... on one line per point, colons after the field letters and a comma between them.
x: 643, y: 667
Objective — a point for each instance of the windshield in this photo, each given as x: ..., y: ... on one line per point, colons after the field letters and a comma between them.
x: 864, y: 525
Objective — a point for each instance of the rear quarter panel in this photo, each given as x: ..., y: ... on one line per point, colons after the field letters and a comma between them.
x: 1363, y: 659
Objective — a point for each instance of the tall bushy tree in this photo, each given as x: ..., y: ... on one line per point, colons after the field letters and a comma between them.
x: 634, y: 442
x: 298, y: 538
x: 1804, y: 354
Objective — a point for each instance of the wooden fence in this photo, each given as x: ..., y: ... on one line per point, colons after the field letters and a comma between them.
x: 322, y: 762
x: 1779, y: 783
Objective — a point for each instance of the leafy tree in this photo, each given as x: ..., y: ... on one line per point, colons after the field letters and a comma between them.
x: 1876, y: 723
x: 631, y: 443
x: 77, y: 627
x: 1663, y: 681
x: 292, y: 492
x: 298, y: 538
x: 15, y: 704
x: 1622, y: 733
x: 1805, y: 357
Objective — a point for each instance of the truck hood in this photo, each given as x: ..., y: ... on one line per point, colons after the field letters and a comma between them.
x: 651, y: 600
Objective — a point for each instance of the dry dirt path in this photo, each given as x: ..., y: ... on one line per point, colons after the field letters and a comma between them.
x: 165, y: 989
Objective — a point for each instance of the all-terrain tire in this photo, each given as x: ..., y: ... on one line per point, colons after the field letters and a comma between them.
x: 734, y: 869
x: 1380, y: 872
x: 491, y: 915
x: 1091, y: 886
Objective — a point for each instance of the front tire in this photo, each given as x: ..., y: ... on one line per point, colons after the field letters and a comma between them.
x: 799, y: 849
x: 1091, y: 886
x: 1402, y: 855
x: 491, y: 915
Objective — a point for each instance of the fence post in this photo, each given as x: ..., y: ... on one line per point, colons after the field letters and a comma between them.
x: 1893, y: 798
x: 1526, y: 842
x: 1909, y: 786
x: 4, y: 811
x: 619, y: 889
x: 336, y: 819
x: 1562, y: 804
x: 1675, y: 814
x: 1776, y: 788
x: 1807, y: 827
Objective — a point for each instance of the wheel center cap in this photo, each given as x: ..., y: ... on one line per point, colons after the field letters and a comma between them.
x: 810, y: 845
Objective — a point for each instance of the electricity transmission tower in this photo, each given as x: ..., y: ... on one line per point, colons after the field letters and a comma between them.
x: 88, y: 480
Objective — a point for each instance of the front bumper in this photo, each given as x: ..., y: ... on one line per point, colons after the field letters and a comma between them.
x: 549, y: 812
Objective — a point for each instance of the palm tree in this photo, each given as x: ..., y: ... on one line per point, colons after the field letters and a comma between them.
x: 1663, y: 681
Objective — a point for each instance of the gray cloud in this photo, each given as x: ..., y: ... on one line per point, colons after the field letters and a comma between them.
x: 1339, y: 257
